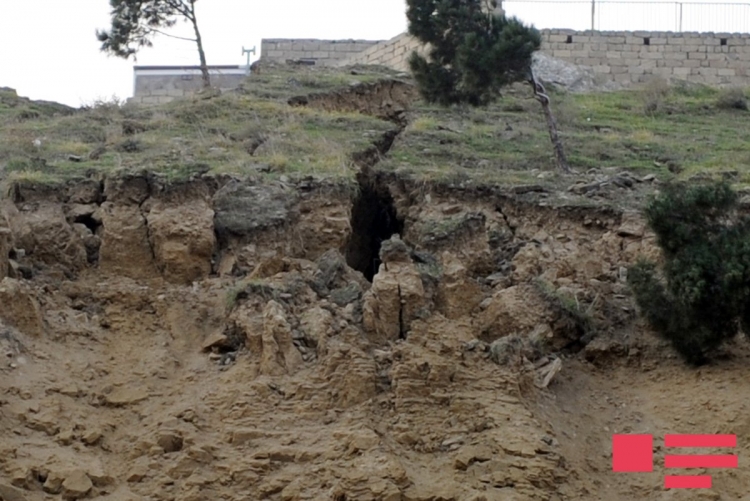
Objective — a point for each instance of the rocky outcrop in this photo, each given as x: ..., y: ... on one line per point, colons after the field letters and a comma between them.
x: 42, y: 232
x: 396, y: 297
x: 20, y: 307
x: 278, y: 353
x: 458, y: 293
x: 125, y: 246
x: 183, y: 241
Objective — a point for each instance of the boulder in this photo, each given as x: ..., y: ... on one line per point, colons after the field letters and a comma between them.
x: 278, y: 355
x: 76, y: 485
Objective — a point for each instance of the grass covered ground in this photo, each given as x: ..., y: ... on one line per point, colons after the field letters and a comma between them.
x: 670, y: 131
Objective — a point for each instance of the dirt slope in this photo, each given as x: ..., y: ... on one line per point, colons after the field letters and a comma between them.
x: 208, y: 340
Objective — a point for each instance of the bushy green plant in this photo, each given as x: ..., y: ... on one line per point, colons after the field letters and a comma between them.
x: 732, y: 99
x: 701, y: 296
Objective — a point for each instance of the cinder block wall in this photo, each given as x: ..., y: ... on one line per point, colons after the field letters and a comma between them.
x: 393, y: 53
x: 720, y: 59
x: 324, y: 52
x: 158, y: 89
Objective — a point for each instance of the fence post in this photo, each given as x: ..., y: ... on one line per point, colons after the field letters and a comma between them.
x: 593, y: 8
x: 680, y: 4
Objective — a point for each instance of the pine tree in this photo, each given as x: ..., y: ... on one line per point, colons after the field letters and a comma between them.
x: 472, y: 53
x: 136, y: 22
x: 701, y: 295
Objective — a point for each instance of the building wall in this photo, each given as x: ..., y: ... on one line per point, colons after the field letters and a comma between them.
x: 393, y: 53
x: 323, y: 52
x: 152, y: 87
x: 707, y: 58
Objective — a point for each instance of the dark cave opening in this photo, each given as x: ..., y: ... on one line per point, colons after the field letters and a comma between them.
x: 374, y: 220
x: 89, y: 222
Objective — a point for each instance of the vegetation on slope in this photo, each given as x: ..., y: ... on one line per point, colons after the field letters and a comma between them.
x: 673, y: 133
x: 704, y: 296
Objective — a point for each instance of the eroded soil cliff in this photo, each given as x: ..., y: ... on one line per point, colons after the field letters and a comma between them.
x: 218, y: 339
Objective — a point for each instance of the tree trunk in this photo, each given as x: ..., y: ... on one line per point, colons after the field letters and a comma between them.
x: 541, y: 95
x: 199, y: 42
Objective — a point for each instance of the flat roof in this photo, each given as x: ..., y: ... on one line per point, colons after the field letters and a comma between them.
x: 219, y: 67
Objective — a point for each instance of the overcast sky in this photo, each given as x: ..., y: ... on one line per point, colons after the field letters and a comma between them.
x: 48, y: 48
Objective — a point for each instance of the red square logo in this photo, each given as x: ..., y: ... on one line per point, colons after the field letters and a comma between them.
x: 631, y: 453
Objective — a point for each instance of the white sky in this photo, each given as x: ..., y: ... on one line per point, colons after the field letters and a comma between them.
x: 48, y: 48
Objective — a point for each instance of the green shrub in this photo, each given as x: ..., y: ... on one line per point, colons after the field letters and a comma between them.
x: 732, y: 99
x: 701, y: 296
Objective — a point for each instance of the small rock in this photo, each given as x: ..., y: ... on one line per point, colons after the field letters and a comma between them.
x: 65, y: 437
x: 53, y: 484
x: 472, y: 345
x: 76, y: 485
x: 215, y: 340
x: 8, y: 493
x: 170, y: 441
x: 648, y: 178
x: 91, y: 437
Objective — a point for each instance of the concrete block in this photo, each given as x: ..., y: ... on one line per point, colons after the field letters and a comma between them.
x: 603, y: 69
x: 691, y: 63
x: 614, y: 55
x: 696, y: 55
x: 650, y: 55
x: 622, y: 78
x: 658, y: 41
x: 662, y: 72
x: 727, y: 72
x: 719, y: 64
x: 321, y: 54
x: 636, y: 70
x: 618, y: 70
x: 706, y: 71
x: 682, y: 72
x: 711, y: 41
x: 562, y: 53
x: 558, y: 38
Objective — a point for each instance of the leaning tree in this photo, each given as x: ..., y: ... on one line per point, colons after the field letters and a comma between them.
x: 472, y: 52
x: 136, y: 22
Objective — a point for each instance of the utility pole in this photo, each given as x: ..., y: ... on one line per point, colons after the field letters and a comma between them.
x: 593, y: 10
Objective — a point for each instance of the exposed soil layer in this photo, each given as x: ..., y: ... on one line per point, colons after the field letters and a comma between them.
x: 218, y: 339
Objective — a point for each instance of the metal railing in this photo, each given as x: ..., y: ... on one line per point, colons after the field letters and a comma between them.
x: 624, y: 15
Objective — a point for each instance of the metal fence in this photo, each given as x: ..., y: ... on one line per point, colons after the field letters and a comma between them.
x: 624, y: 15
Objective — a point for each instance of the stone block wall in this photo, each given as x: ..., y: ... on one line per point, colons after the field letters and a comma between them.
x: 721, y: 59
x: 393, y: 53
x: 322, y: 52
